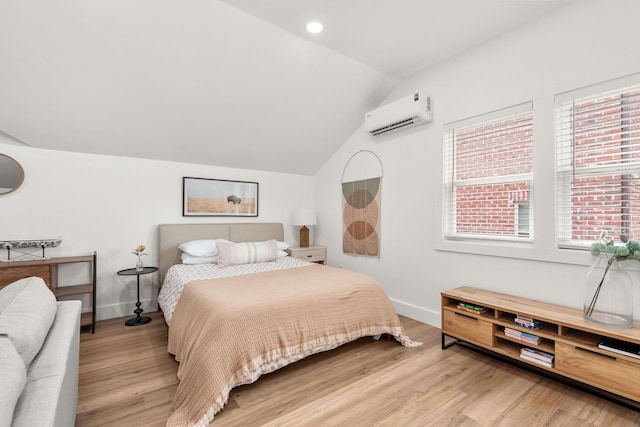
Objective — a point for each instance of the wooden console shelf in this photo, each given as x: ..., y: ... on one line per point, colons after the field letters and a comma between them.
x: 564, y: 333
x: 47, y: 269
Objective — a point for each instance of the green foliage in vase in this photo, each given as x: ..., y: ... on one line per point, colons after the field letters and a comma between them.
x: 630, y: 249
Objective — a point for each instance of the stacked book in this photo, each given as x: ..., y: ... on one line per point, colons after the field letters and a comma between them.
x: 621, y: 347
x: 471, y: 308
x: 522, y: 336
x: 537, y: 356
x: 526, y: 322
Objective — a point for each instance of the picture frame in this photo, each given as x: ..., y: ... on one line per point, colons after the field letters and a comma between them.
x: 219, y: 197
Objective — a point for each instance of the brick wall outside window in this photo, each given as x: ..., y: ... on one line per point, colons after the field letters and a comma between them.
x: 488, y: 159
x: 607, y: 134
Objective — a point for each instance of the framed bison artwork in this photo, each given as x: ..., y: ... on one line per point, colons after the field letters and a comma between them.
x: 219, y: 197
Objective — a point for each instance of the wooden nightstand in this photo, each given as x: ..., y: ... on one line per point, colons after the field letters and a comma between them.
x: 316, y: 254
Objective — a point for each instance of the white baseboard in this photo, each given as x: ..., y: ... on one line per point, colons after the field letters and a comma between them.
x: 420, y: 314
x: 124, y: 309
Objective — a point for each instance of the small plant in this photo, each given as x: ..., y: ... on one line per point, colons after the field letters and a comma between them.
x: 630, y: 249
x: 139, y: 251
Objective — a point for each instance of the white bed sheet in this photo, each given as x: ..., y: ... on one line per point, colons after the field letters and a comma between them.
x: 180, y: 274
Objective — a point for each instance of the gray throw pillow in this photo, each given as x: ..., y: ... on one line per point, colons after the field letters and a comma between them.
x: 27, y: 310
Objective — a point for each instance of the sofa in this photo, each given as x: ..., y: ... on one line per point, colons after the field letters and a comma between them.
x: 39, y: 353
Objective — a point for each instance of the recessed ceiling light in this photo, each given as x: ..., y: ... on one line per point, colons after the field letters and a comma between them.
x: 314, y: 27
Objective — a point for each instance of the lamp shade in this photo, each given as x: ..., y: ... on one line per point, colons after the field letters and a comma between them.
x: 304, y: 217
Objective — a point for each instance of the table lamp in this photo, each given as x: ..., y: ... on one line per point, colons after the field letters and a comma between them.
x: 304, y: 217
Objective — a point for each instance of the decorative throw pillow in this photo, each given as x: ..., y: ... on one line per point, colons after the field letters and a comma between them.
x: 27, y: 310
x: 14, y: 378
x: 246, y: 252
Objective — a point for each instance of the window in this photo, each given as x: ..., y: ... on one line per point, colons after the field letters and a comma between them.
x: 488, y: 176
x: 598, y: 162
x: 523, y: 219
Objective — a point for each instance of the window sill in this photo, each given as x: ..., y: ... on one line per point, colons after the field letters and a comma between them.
x: 518, y: 250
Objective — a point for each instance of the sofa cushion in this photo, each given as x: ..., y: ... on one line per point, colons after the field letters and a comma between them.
x: 50, y: 396
x: 27, y: 310
x: 14, y: 375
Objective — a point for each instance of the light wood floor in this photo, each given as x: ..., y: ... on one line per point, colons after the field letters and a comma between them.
x: 128, y: 379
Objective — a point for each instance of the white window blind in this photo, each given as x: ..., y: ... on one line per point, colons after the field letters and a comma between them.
x: 598, y: 162
x: 488, y: 176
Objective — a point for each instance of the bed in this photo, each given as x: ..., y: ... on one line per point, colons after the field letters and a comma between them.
x: 229, y: 324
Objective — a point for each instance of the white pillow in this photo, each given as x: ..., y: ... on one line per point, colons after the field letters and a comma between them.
x: 205, y: 247
x: 281, y: 254
x: 191, y: 260
x: 281, y: 246
x: 246, y: 252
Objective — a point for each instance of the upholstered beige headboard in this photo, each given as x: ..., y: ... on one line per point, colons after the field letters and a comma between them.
x: 172, y: 235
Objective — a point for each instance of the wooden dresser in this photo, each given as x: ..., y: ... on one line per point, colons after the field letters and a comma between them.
x: 48, y: 270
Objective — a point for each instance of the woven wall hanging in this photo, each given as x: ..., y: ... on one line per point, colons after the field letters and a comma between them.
x: 361, y: 205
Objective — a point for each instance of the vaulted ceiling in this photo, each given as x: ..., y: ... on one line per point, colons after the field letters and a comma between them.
x: 236, y: 83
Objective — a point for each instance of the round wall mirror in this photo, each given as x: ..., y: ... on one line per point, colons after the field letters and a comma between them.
x: 11, y: 174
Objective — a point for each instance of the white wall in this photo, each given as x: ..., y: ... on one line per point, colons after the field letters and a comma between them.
x: 584, y: 43
x: 112, y: 204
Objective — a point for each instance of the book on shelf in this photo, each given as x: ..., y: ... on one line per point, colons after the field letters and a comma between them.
x: 620, y: 347
x: 537, y: 356
x: 538, y: 361
x: 526, y: 322
x: 471, y: 308
x: 522, y: 336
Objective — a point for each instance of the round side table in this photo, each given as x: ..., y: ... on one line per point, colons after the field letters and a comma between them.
x: 138, y: 320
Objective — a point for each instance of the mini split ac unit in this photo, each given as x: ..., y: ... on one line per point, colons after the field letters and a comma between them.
x: 409, y: 111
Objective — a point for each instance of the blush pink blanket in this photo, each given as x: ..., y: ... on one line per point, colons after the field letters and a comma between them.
x: 227, y: 332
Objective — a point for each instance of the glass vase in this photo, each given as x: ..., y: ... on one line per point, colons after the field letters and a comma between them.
x: 608, y: 298
x: 139, y: 265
